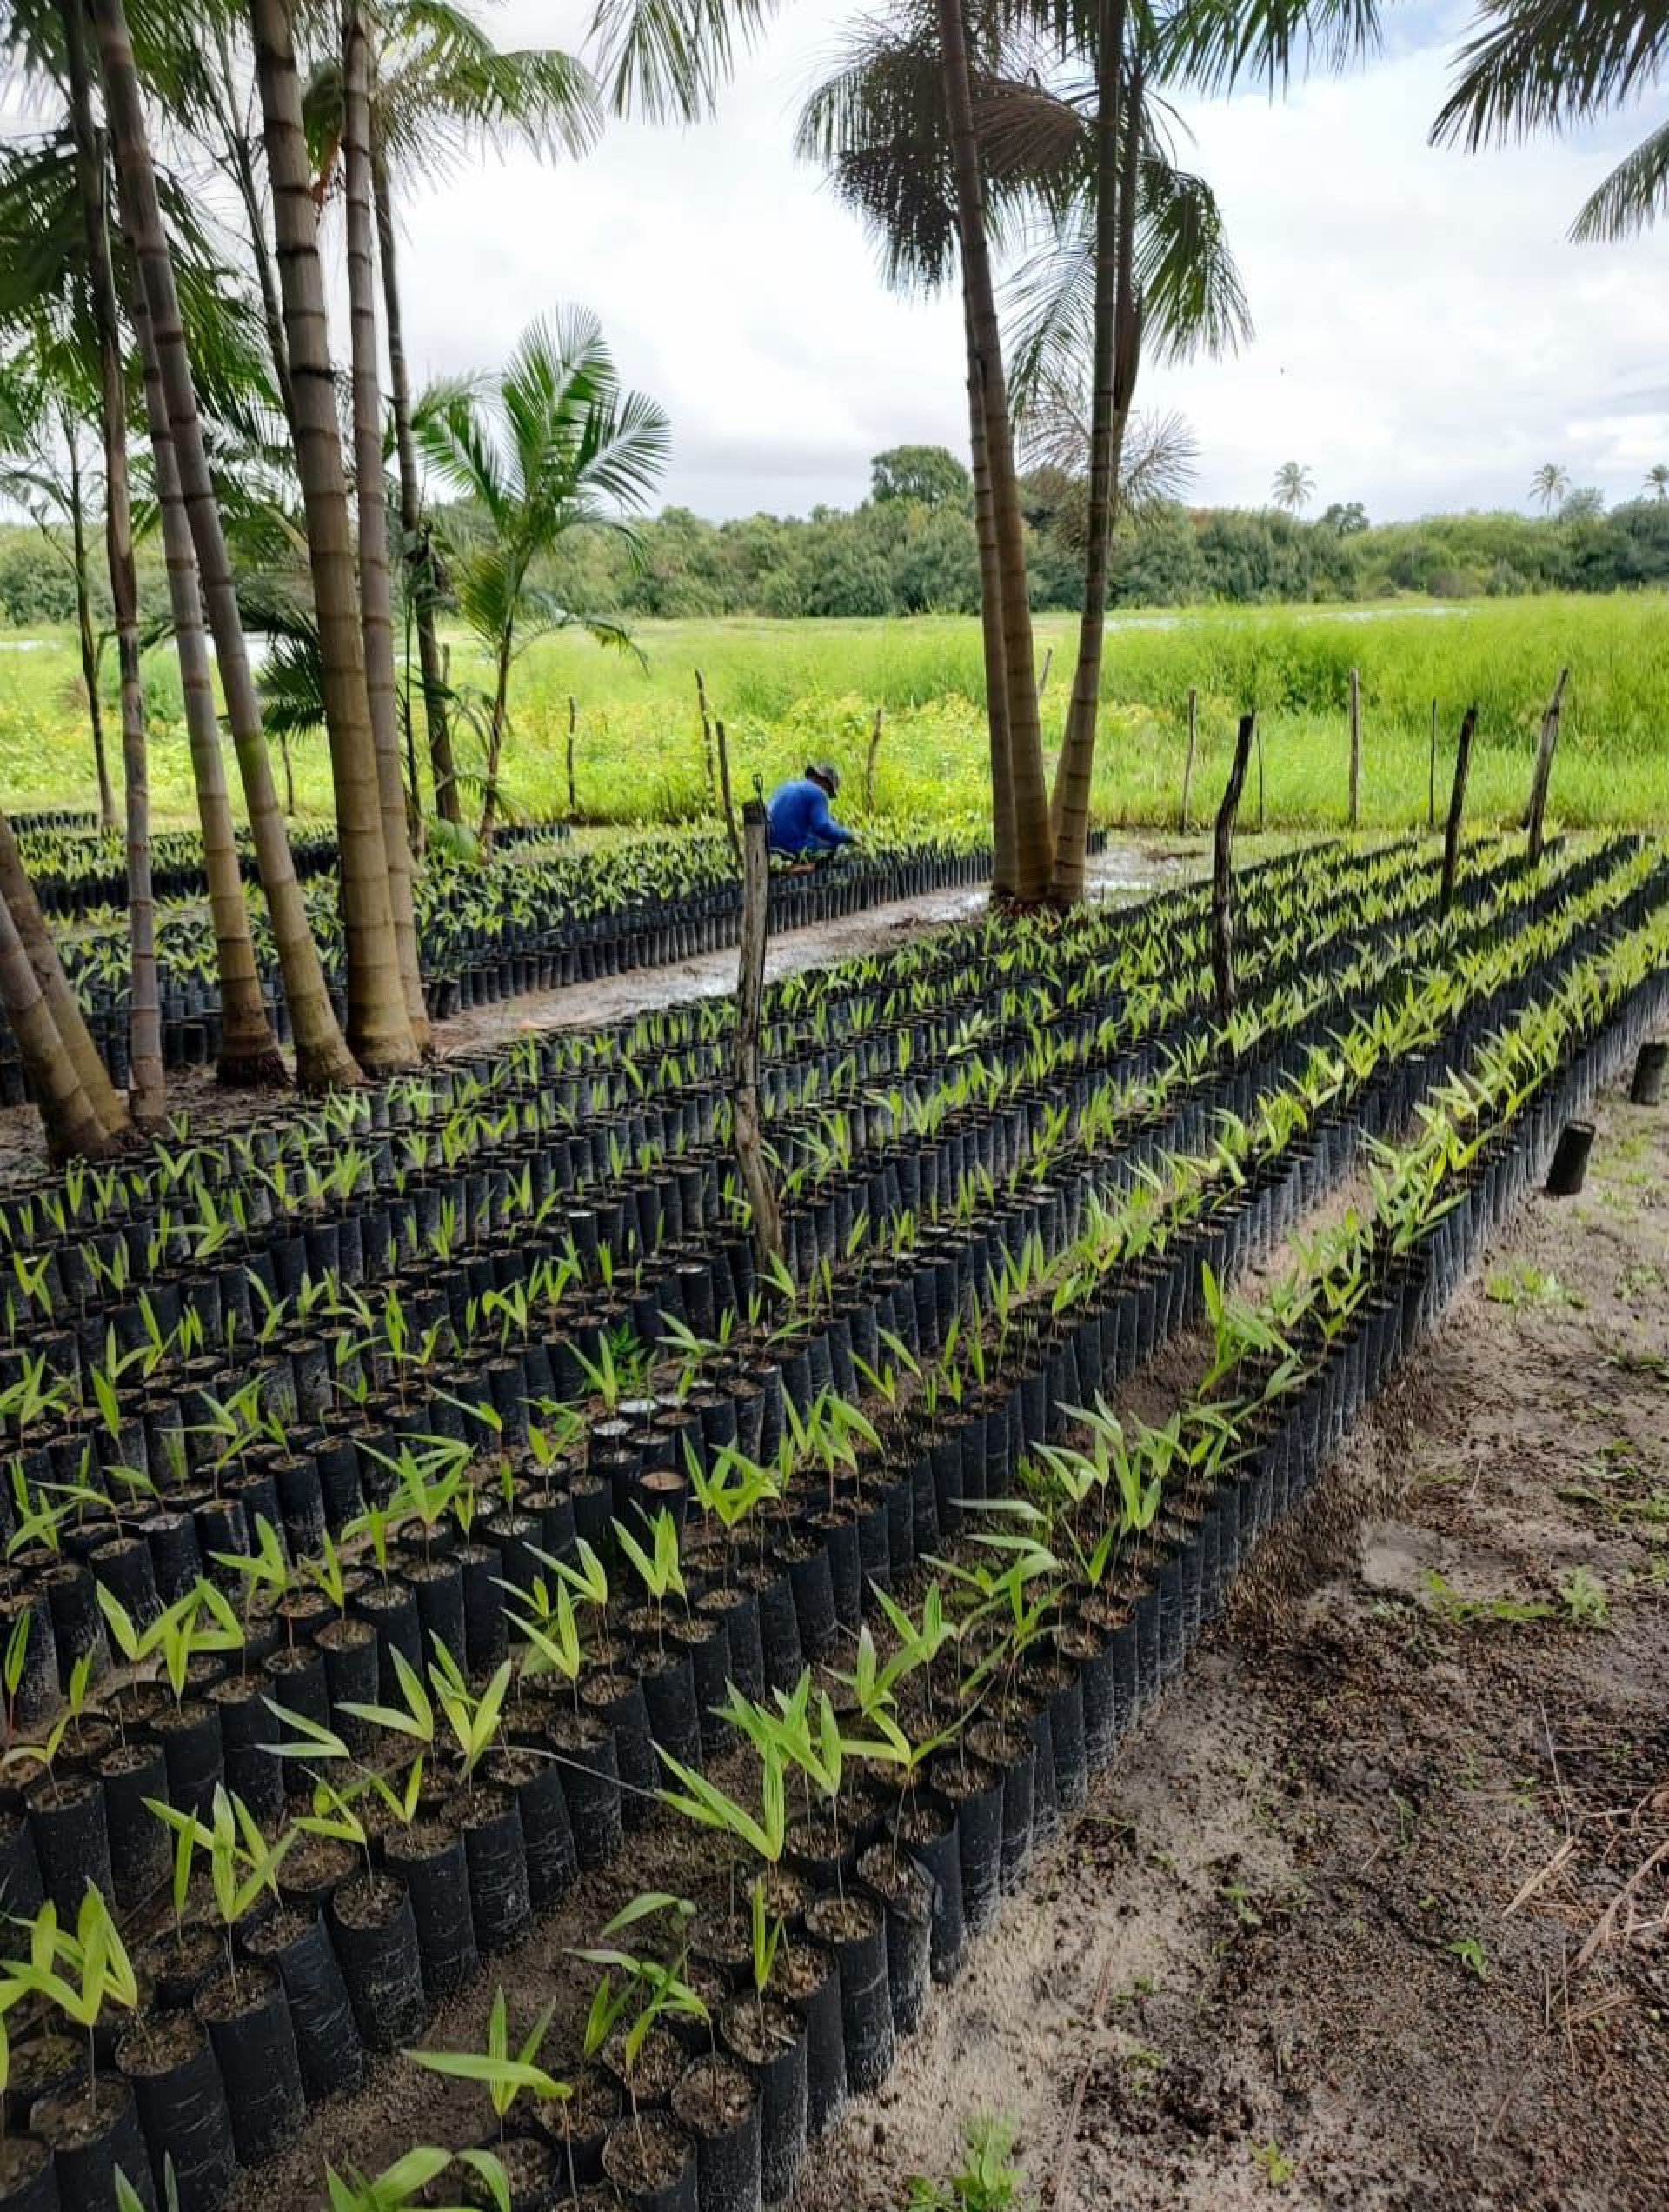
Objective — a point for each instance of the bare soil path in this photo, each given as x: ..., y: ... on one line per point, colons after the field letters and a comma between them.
x: 1375, y: 1911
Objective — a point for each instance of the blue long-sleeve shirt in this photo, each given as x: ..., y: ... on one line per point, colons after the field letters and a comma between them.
x: 800, y: 821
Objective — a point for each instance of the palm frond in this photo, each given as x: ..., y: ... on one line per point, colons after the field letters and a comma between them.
x: 443, y: 89
x: 1543, y: 64
x: 1217, y: 45
x: 1193, y: 298
x: 667, y: 59
x: 1632, y: 197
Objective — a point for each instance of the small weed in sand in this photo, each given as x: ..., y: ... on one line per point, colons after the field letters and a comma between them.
x: 1529, y: 1285
x: 1273, y: 2164
x: 1583, y: 1596
x: 1472, y: 1954
x: 987, y: 2183
x: 1447, y: 1603
x: 1237, y: 1895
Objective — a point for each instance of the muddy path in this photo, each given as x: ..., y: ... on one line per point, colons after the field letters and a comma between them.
x: 1375, y: 1911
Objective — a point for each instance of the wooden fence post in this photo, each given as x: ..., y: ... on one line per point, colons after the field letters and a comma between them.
x: 750, y: 992
x: 1187, y: 765
x: 1355, y: 748
x: 1457, y: 808
x: 573, y: 717
x: 707, y: 739
x: 1430, y: 775
x: 729, y: 805
x: 1258, y: 730
x: 1222, y: 873
x: 869, y: 763
x: 1544, y: 772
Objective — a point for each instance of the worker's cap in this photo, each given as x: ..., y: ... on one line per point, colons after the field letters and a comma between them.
x: 825, y: 772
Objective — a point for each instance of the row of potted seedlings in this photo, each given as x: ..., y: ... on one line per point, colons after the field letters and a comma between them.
x: 519, y: 1128
x: 1128, y: 1537
x: 538, y: 920
x: 661, y: 1564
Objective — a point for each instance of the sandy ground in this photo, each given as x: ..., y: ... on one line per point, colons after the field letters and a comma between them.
x: 1374, y: 1912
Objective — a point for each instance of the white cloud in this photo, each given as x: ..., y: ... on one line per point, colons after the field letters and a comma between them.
x: 1426, y: 337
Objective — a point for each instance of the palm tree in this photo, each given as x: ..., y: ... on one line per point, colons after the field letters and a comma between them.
x: 45, y: 245
x: 560, y: 446
x: 321, y: 1056
x: 1135, y: 258
x: 379, y: 1022
x: 1550, y: 486
x: 1555, y: 65
x: 1657, y: 480
x: 375, y: 591
x: 437, y: 89
x: 148, y: 1090
x: 1293, y: 487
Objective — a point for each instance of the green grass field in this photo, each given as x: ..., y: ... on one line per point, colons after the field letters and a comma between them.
x: 789, y: 690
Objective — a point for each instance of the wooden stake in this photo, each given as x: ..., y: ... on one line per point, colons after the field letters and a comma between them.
x: 750, y: 991
x: 1042, y: 681
x: 1187, y: 765
x: 1431, y: 776
x: 1544, y: 772
x: 1457, y: 807
x: 869, y: 763
x: 724, y: 788
x: 1355, y: 750
x: 573, y: 717
x: 707, y: 739
x: 1258, y: 730
x: 1222, y: 873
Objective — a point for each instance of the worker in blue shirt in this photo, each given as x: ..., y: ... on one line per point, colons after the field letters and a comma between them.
x: 799, y: 823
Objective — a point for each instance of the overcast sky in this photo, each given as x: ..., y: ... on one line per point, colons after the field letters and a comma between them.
x: 1425, y: 337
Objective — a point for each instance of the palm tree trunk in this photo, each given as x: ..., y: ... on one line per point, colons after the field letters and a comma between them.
x: 73, y: 1128
x: 148, y: 1087
x: 419, y: 554
x: 321, y: 1056
x: 1113, y: 317
x: 23, y: 912
x: 379, y: 1027
x: 375, y: 596
x: 241, y: 155
x: 495, y: 737
x: 1034, y: 845
x: 248, y: 1051
x: 996, y: 693
x: 84, y: 637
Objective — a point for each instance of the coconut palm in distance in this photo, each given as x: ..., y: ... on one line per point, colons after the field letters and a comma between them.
x: 1534, y: 65
x: 558, y: 444
x: 1657, y: 480
x: 1293, y: 487
x: 1550, y: 485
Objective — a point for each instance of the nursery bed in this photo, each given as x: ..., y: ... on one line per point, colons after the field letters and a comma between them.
x: 1247, y: 1939
x: 460, y: 1322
